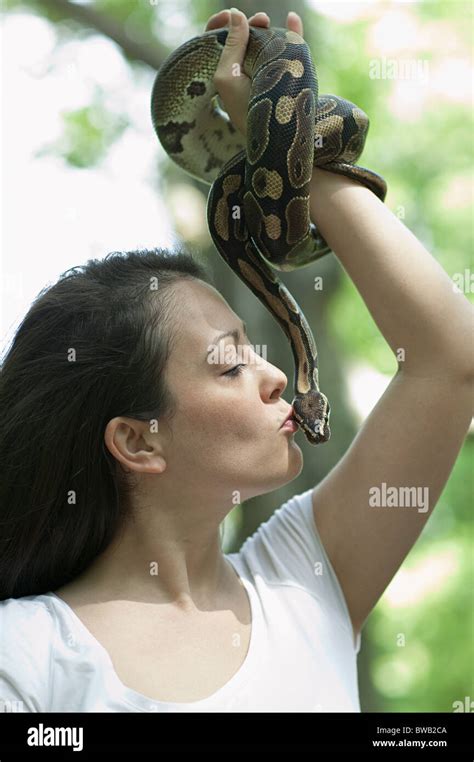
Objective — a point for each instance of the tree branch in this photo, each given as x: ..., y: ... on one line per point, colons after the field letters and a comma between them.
x: 151, y: 54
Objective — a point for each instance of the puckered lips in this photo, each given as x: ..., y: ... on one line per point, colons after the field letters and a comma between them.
x: 290, y: 417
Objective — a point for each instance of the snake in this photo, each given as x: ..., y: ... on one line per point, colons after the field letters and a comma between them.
x: 258, y: 204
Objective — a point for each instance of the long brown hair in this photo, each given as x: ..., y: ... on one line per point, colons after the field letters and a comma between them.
x: 91, y: 347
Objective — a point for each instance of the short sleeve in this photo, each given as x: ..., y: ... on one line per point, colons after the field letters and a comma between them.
x: 287, y: 549
x: 26, y: 633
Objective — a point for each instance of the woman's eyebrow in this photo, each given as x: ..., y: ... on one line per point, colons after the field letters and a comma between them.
x: 236, y: 334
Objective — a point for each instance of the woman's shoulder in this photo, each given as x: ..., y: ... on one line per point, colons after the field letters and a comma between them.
x: 27, y: 635
x: 36, y: 623
x: 28, y: 623
x: 26, y: 607
x: 288, y: 550
x: 31, y: 628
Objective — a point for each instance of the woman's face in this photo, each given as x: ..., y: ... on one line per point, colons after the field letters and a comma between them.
x: 225, y: 435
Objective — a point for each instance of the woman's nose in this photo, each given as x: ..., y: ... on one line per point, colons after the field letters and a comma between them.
x: 274, y: 381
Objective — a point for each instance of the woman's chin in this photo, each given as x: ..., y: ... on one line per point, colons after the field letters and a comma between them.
x: 294, y: 462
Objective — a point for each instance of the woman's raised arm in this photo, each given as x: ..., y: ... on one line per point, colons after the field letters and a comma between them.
x: 372, y: 506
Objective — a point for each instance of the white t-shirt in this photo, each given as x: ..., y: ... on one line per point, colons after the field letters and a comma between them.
x: 301, y: 657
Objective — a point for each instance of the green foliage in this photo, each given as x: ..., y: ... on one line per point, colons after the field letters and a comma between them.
x: 137, y: 18
x: 413, y: 669
x: 87, y: 135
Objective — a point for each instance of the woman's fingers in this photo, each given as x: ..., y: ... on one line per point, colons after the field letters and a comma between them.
x: 218, y: 20
x: 235, y: 46
x: 260, y: 19
x: 228, y: 71
x: 294, y: 23
x: 231, y: 83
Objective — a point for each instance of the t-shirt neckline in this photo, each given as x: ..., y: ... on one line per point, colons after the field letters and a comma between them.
x: 146, y: 703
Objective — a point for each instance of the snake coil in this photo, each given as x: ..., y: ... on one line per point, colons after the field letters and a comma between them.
x: 258, y: 205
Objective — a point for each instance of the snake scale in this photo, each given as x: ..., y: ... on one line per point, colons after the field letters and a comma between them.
x: 258, y: 205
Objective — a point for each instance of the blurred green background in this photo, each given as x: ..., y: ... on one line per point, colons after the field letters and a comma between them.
x: 86, y: 175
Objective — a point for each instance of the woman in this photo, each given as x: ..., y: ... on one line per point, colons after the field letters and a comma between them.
x: 124, y: 449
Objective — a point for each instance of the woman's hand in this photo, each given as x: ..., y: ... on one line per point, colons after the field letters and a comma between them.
x: 231, y: 83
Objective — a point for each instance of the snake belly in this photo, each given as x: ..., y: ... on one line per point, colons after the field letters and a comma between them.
x: 258, y: 205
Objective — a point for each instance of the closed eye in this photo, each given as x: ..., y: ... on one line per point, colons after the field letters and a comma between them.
x: 235, y: 371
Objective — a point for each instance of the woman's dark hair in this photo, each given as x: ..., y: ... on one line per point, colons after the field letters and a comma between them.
x: 91, y: 347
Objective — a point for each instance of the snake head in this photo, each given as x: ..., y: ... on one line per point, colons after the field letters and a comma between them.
x: 311, y: 413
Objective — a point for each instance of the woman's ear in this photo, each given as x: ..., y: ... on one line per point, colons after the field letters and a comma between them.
x: 134, y: 446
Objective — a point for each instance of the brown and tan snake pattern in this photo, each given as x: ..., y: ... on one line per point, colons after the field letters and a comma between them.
x: 258, y: 206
